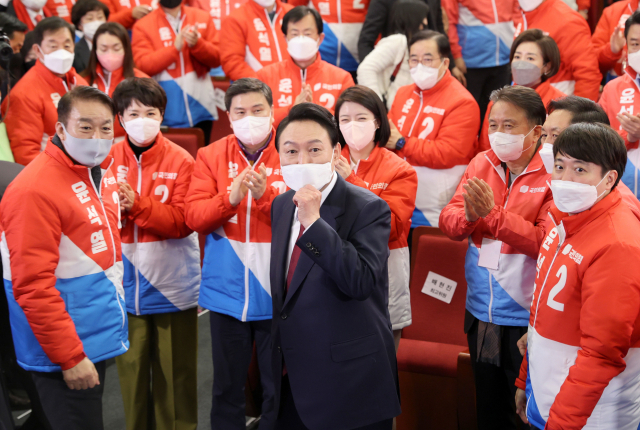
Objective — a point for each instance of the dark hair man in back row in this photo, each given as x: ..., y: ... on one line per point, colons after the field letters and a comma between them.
x: 334, y: 359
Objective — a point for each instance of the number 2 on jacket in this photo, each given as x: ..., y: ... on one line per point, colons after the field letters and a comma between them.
x: 562, y: 274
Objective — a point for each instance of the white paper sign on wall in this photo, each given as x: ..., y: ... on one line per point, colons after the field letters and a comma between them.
x: 439, y: 287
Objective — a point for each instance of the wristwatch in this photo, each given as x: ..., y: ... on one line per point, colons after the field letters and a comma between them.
x: 400, y: 144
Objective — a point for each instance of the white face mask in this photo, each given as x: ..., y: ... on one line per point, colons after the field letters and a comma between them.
x: 508, y: 147
x: 302, y: 48
x: 529, y: 5
x: 265, y: 3
x: 90, y: 28
x: 142, y: 130
x: 59, y: 61
x: 633, y: 60
x: 546, y: 153
x: 358, y: 134
x: 88, y: 152
x: 425, y: 77
x: 34, y: 5
x: 297, y: 176
x: 573, y: 197
x: 525, y: 73
x: 252, y: 130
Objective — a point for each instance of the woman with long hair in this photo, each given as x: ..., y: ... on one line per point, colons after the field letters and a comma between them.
x: 111, y: 62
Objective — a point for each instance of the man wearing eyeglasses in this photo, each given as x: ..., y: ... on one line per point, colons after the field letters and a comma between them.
x: 434, y: 125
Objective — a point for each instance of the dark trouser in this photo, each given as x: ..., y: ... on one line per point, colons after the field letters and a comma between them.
x: 68, y: 409
x: 232, y: 347
x: 288, y: 418
x: 495, y: 386
x: 206, y: 127
x: 481, y: 82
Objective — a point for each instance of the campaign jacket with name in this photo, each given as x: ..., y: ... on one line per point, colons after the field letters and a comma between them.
x: 342, y: 23
x: 584, y: 333
x: 440, y: 126
x: 33, y: 110
x: 394, y: 181
x: 183, y: 75
x: 161, y: 254
x: 62, y: 267
x: 579, y: 73
x: 502, y: 296
x: 612, y: 16
x: 619, y: 96
x: 61, y: 8
x: 286, y: 78
x: 235, y: 271
x: 481, y: 32
x: 545, y: 90
x: 252, y: 40
x: 108, y: 85
x: 218, y: 9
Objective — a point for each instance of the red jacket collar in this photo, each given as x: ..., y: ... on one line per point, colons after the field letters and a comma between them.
x: 365, y: 164
x: 150, y: 154
x: 52, y: 79
x: 22, y: 14
x: 57, y: 154
x: 543, y: 89
x: 115, y: 76
x: 442, y: 83
x: 294, y: 68
x: 573, y: 224
x: 534, y: 165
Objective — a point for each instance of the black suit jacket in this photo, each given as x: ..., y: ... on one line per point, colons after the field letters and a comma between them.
x: 82, y: 55
x: 332, y: 328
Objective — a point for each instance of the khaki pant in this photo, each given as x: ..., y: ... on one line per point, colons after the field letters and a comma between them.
x: 158, y: 375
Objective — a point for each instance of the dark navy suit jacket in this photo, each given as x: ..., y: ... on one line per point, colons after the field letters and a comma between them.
x: 332, y: 327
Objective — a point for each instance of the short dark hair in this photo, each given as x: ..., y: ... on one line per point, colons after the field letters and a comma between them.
x: 582, y: 110
x: 594, y: 143
x: 310, y: 112
x: 10, y: 24
x: 444, y: 48
x: 117, y: 30
x: 144, y: 90
x: 247, y: 85
x: 52, y: 24
x: 407, y: 16
x: 523, y: 98
x: 368, y: 99
x: 633, y: 19
x: 83, y: 7
x: 548, y: 47
x: 29, y: 41
x: 299, y: 12
x: 82, y: 93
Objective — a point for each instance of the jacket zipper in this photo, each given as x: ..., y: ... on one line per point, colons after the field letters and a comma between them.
x: 303, y: 76
x: 113, y: 242
x: 417, y: 115
x: 247, y: 248
x: 107, y: 84
x: 135, y: 238
x: 273, y: 33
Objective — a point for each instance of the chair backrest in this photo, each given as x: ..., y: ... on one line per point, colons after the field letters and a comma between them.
x: 433, y: 319
x: 190, y: 139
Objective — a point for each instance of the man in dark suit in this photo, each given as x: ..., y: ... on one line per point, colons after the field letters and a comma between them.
x: 333, y: 353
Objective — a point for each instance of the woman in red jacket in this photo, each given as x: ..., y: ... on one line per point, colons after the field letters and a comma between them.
x: 365, y: 162
x: 111, y: 62
x: 535, y: 58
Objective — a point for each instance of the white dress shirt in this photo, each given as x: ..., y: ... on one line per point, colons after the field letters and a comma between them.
x: 295, y: 226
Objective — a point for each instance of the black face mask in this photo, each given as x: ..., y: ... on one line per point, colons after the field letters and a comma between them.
x: 170, y: 4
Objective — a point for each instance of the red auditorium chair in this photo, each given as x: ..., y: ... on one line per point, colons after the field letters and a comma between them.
x: 190, y: 139
x: 436, y: 382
